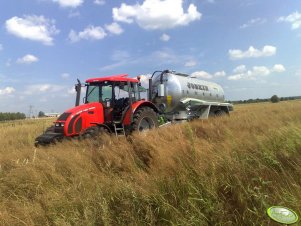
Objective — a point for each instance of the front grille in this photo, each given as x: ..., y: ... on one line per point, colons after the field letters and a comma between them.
x: 59, y: 129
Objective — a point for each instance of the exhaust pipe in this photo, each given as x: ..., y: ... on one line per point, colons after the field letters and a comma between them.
x: 150, y: 81
x: 78, y: 88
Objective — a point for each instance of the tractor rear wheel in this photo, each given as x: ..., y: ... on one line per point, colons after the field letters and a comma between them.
x: 144, y: 119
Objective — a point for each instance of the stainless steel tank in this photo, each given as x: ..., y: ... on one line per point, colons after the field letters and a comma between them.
x: 178, y: 87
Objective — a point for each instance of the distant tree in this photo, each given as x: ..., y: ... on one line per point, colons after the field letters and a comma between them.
x: 41, y: 114
x: 275, y: 99
x: 11, y: 116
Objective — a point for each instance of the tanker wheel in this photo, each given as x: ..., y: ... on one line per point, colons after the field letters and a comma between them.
x: 220, y: 113
x: 144, y: 119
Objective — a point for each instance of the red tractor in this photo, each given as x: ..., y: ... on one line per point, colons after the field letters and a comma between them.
x: 112, y: 104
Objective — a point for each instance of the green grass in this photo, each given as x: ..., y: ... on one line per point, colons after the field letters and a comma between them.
x: 224, y: 171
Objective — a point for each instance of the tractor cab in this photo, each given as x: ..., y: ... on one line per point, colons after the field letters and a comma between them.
x: 116, y: 97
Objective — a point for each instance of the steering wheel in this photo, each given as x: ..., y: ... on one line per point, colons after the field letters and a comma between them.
x: 126, y: 101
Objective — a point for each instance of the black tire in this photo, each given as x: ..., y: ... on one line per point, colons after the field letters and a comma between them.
x: 220, y: 113
x: 144, y: 119
x: 211, y: 114
x: 93, y: 132
x: 90, y: 132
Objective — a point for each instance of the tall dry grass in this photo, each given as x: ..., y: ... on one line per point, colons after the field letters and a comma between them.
x: 223, y: 171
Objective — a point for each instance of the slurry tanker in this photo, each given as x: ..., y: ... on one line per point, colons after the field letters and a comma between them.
x: 114, y: 104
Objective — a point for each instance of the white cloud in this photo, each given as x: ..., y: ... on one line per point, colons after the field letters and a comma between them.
x: 206, y: 75
x: 42, y: 88
x: 294, y: 19
x: 99, y: 2
x: 235, y: 77
x: 35, y: 28
x: 90, y: 33
x: 157, y: 14
x: 114, y: 28
x: 190, y: 63
x: 201, y: 74
x: 253, y: 22
x: 220, y: 74
x: 69, y: 3
x: 240, y: 69
x: 260, y: 71
x: 7, y: 91
x: 28, y: 59
x: 144, y: 80
x: 165, y: 37
x: 65, y: 75
x: 71, y: 91
x: 241, y: 72
x: 278, y: 68
x: 237, y: 54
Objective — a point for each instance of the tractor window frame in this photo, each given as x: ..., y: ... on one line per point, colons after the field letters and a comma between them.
x: 100, y: 98
x: 92, y: 93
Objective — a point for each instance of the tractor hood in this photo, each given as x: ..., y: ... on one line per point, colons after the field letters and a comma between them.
x: 83, y: 108
x: 76, y: 119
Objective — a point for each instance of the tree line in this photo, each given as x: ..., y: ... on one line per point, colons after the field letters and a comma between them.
x: 273, y: 99
x: 11, y: 116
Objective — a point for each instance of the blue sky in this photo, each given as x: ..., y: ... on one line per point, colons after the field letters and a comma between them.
x: 252, y: 48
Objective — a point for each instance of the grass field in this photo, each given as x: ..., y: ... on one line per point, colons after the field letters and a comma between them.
x: 222, y: 171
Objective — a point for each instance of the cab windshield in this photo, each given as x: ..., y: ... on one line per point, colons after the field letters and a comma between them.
x: 99, y: 92
x: 111, y: 91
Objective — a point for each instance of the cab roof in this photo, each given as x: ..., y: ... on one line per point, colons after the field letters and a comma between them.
x: 113, y: 78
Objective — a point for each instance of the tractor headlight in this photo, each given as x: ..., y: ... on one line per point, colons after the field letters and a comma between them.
x: 62, y: 124
x: 57, y: 124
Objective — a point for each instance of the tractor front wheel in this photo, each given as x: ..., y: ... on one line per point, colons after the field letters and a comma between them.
x: 144, y: 119
x: 93, y: 132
